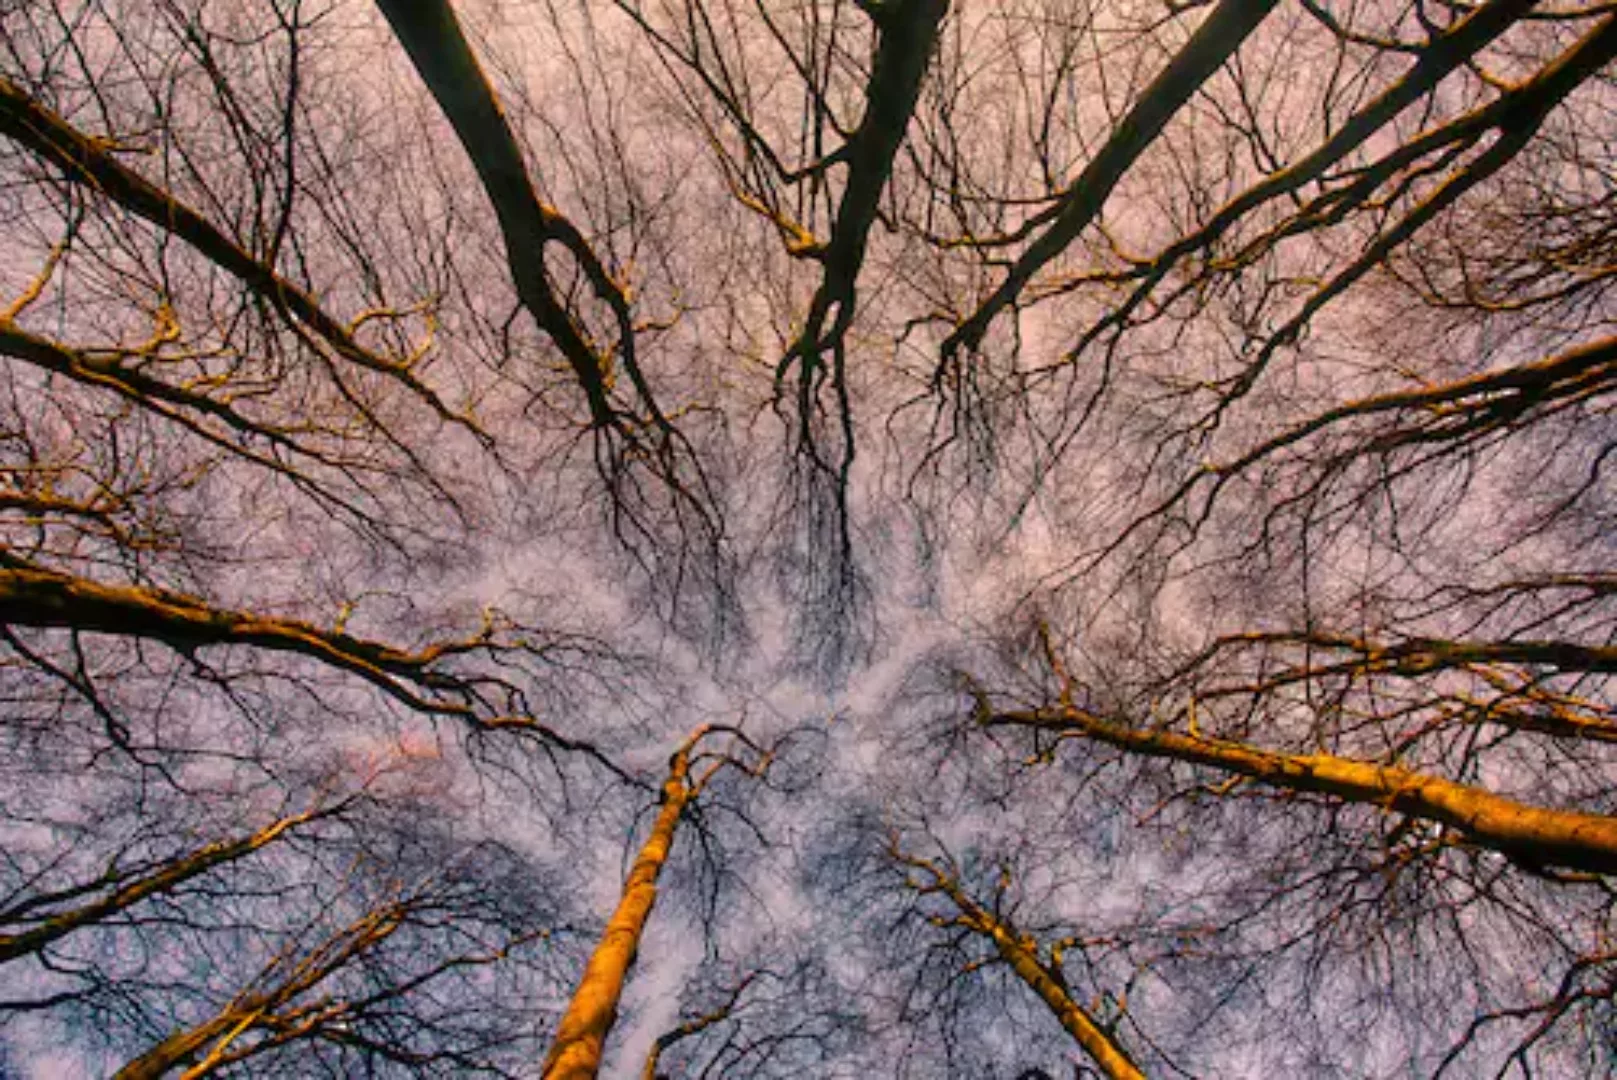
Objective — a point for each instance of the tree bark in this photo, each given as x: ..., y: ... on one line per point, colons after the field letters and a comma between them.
x: 1533, y: 835
x: 1107, y: 1055
x: 576, y: 1052
x: 1020, y: 952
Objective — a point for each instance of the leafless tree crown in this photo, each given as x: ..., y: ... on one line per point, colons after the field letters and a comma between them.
x: 842, y: 537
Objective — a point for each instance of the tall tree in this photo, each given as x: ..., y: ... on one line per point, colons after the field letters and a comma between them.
x: 593, y: 1010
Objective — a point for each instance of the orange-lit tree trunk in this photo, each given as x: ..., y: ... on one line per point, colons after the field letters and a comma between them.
x: 1533, y: 834
x: 1021, y: 953
x: 576, y: 1052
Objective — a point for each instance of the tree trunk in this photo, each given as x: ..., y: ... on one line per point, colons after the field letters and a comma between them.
x: 576, y: 1052
x: 1531, y: 834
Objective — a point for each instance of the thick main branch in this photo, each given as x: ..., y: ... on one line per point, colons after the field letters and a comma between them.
x: 33, y: 596
x: 1534, y: 835
x: 437, y: 47
x: 1214, y: 42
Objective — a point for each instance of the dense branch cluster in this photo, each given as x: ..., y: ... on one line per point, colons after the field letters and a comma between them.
x: 1054, y: 535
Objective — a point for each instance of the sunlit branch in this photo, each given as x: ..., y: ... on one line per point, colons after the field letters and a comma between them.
x: 282, y: 982
x: 128, y: 888
x: 1534, y: 835
x: 87, y: 160
x: 335, y: 1021
x: 33, y: 596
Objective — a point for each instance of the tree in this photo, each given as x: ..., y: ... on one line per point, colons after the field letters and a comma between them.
x: 576, y: 1051
x: 1021, y: 952
x: 1160, y: 452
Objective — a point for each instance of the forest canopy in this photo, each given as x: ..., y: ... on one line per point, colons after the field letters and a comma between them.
x: 820, y: 538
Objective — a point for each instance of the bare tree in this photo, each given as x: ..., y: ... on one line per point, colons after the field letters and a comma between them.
x: 781, y: 1018
x: 1038, y: 966
x: 576, y: 1050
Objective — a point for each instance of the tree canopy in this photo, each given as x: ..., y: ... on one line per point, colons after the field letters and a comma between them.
x: 820, y: 538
